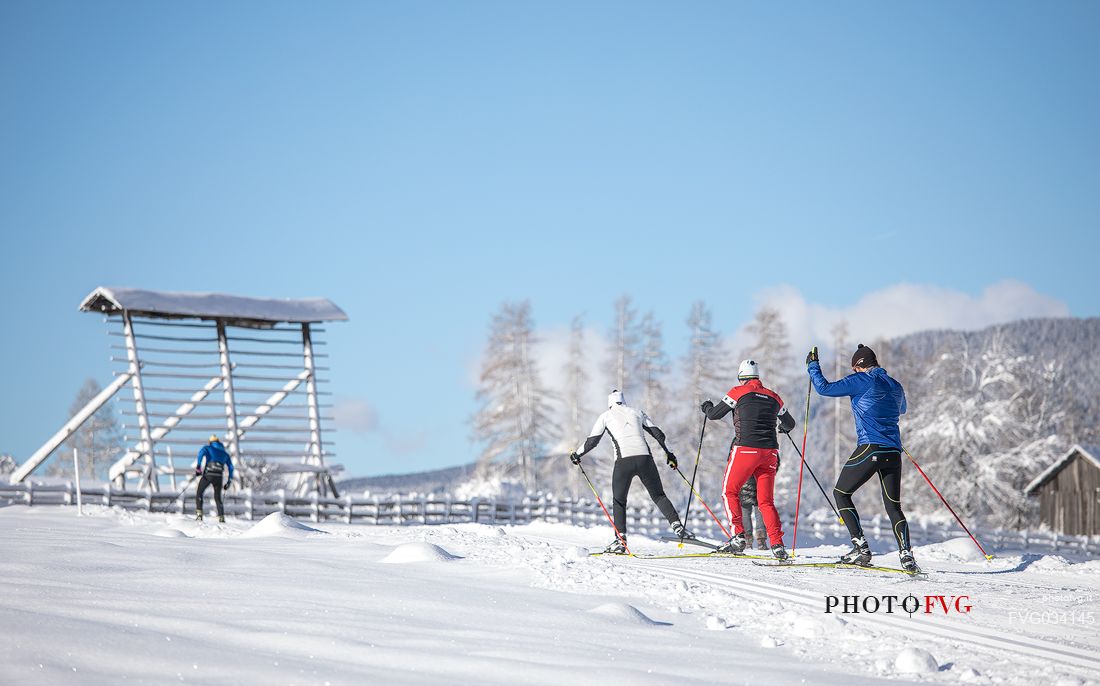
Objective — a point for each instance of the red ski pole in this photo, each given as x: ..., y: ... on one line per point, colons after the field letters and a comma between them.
x: 798, y: 498
x: 622, y: 539
x: 957, y: 518
x: 711, y: 513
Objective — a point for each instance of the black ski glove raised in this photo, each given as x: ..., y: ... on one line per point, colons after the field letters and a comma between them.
x: 671, y: 460
x: 811, y: 356
x: 706, y: 407
x: 574, y: 458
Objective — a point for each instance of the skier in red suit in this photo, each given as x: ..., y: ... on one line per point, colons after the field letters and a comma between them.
x: 756, y: 413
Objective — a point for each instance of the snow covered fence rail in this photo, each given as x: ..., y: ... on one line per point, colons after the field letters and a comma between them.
x: 402, y: 509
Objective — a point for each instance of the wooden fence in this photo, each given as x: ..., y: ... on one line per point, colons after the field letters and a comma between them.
x: 400, y: 510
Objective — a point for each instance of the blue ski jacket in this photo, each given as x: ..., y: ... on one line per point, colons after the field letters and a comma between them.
x: 877, y: 402
x: 214, y: 452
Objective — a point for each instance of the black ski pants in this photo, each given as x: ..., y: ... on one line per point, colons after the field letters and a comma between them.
x: 865, y: 462
x: 214, y: 480
x: 643, y: 467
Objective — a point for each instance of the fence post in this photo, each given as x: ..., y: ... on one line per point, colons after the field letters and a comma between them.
x: 348, y: 504
x: 314, y: 507
x: 76, y: 475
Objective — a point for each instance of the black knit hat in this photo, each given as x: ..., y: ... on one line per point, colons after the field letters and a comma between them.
x: 864, y: 357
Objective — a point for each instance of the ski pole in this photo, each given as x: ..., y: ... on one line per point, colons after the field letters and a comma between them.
x: 827, y: 499
x: 957, y: 518
x: 798, y: 498
x: 691, y: 484
x: 622, y: 539
x: 715, y: 518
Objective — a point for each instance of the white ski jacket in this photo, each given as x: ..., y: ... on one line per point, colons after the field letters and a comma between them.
x: 625, y: 425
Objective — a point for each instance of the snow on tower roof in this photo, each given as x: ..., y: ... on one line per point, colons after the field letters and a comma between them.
x: 1089, y: 452
x: 262, y: 312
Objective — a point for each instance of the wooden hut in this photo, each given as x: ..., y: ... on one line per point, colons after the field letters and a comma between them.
x: 1069, y: 492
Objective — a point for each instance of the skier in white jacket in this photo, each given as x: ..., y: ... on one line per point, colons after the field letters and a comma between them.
x: 632, y: 459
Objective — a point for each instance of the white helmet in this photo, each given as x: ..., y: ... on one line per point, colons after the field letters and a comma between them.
x: 615, y: 398
x: 748, y: 370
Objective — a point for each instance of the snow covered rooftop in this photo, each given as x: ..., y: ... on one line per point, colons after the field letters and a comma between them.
x: 234, y: 308
x: 1089, y: 452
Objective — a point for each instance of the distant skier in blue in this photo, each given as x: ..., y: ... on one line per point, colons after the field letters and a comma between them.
x: 878, y: 401
x: 211, y: 464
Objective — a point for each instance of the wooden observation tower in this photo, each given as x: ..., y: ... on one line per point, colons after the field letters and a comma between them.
x: 196, y: 364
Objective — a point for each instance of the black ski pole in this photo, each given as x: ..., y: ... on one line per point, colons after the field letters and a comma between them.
x: 820, y: 488
x: 687, y: 508
x: 704, y: 503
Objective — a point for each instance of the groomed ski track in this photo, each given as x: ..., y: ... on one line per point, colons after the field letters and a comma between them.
x: 1040, y: 650
x: 938, y: 627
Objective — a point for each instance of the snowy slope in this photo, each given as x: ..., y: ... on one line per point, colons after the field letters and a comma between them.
x: 119, y: 596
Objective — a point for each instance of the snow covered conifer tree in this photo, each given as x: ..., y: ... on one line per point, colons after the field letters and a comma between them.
x: 707, y: 374
x: 652, y: 368
x: 625, y: 354
x: 576, y: 383
x: 98, y: 440
x: 771, y: 348
x: 513, y: 422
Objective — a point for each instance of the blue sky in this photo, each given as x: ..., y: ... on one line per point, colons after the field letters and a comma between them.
x: 420, y: 162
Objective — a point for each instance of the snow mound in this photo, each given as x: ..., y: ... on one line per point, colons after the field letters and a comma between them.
x: 575, y: 553
x: 278, y: 524
x: 805, y: 627
x: 1050, y: 563
x: 491, y: 532
x: 955, y: 550
x: 916, y: 661
x: 769, y: 642
x: 418, y: 552
x: 626, y: 614
x: 715, y: 623
x: 169, y: 532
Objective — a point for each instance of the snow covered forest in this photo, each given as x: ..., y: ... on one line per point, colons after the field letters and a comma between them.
x: 988, y: 409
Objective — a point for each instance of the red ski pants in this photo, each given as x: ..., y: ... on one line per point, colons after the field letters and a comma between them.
x: 761, y: 463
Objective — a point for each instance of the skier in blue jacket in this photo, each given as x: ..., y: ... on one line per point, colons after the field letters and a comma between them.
x: 877, y: 403
x: 212, y: 462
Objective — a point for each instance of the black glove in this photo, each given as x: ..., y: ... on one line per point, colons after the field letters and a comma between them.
x: 574, y: 458
x: 706, y: 407
x: 227, y: 484
x: 784, y: 430
x: 198, y: 473
x: 671, y: 460
x: 812, y: 355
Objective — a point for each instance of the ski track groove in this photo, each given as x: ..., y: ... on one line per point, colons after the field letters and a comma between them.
x: 1037, y: 648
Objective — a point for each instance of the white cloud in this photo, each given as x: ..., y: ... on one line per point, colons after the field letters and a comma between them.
x: 906, y: 308
x: 355, y: 414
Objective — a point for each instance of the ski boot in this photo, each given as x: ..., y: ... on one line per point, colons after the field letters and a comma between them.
x: 198, y: 516
x: 735, y: 546
x: 859, y: 555
x: 908, y: 563
x: 617, y: 547
x: 761, y: 541
x: 682, y: 533
x: 780, y: 552
x: 221, y: 518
